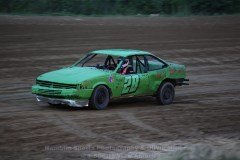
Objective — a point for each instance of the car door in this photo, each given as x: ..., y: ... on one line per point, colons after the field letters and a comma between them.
x: 135, y: 82
x: 156, y: 72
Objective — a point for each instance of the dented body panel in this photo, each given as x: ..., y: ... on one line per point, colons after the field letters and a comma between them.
x: 78, y: 82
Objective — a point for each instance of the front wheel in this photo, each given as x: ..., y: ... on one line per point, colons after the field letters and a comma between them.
x: 165, y: 93
x: 100, y: 98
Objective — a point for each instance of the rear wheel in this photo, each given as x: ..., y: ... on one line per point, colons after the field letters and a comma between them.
x: 165, y: 93
x: 100, y: 98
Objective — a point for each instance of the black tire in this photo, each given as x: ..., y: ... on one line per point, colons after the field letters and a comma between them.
x: 165, y: 93
x: 100, y: 98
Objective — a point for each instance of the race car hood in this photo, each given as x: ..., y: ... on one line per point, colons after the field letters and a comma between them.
x: 72, y: 75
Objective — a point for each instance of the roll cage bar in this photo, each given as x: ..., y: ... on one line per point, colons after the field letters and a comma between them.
x: 110, y: 61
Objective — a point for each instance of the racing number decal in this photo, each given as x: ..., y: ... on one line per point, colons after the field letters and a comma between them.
x: 130, y: 84
x: 127, y: 84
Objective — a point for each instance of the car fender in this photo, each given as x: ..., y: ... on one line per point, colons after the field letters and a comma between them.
x: 100, y: 83
x: 105, y: 84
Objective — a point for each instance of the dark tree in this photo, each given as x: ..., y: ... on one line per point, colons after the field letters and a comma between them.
x: 122, y: 7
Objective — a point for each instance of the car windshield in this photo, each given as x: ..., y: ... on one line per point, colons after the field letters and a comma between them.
x: 100, y: 61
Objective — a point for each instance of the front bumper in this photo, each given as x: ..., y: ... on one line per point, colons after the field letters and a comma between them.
x: 62, y: 93
x: 69, y: 102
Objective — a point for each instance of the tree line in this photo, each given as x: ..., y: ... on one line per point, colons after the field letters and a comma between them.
x: 121, y: 7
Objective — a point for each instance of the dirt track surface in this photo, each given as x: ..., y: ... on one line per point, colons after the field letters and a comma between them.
x: 207, y: 111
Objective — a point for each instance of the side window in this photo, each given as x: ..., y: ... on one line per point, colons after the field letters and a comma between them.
x: 126, y: 65
x: 138, y: 64
x: 154, y: 63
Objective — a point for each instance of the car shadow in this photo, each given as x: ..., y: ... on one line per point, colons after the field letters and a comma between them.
x: 113, y: 104
x: 123, y: 103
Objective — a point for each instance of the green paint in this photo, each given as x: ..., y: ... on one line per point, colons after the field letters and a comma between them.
x: 85, y: 79
x: 121, y: 52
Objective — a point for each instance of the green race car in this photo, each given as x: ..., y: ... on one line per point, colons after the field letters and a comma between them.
x: 107, y: 74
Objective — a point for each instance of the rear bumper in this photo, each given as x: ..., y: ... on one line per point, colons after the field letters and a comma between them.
x: 69, y: 102
x: 182, y: 81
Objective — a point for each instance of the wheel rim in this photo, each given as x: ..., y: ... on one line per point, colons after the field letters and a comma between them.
x: 101, y: 97
x: 167, y: 93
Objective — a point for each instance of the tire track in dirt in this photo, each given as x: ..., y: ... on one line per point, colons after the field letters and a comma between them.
x: 208, y: 46
x: 70, y: 126
x: 130, y: 118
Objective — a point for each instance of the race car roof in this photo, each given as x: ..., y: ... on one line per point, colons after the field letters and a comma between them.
x: 120, y: 52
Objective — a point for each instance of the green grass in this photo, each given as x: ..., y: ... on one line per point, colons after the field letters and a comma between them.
x: 179, y: 14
